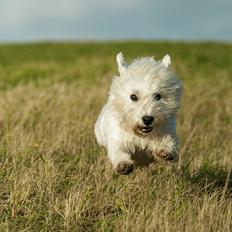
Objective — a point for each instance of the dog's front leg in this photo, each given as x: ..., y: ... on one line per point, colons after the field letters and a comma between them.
x: 121, y: 160
x: 166, y: 148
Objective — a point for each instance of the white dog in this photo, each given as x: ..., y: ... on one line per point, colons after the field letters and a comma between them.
x: 137, y: 125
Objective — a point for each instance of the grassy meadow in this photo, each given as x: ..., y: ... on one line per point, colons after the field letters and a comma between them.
x: 54, y: 177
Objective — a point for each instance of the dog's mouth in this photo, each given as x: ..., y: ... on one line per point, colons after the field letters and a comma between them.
x: 146, y: 129
x: 142, y: 131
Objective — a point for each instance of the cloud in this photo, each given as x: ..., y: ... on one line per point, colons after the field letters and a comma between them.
x: 107, y: 19
x: 21, y: 14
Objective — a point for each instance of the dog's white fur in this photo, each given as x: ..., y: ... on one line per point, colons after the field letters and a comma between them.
x: 119, y: 127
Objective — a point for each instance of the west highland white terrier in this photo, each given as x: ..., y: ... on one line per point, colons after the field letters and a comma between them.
x: 137, y: 125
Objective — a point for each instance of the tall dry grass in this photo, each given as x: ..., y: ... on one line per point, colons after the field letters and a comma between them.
x: 54, y: 177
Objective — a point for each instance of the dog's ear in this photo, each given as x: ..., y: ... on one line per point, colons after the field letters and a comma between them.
x: 122, y: 66
x: 166, y: 61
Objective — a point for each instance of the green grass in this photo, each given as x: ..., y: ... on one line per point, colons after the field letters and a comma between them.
x: 54, y: 177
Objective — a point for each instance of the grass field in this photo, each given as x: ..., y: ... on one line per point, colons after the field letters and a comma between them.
x: 54, y: 177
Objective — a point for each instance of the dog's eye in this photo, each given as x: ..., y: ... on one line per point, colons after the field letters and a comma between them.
x: 133, y: 97
x: 157, y: 96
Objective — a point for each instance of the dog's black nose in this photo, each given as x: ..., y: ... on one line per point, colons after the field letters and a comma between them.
x: 147, y: 120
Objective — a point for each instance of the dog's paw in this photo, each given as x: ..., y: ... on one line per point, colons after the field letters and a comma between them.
x: 124, y: 167
x: 166, y: 155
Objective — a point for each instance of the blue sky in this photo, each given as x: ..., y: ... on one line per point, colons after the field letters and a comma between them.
x: 25, y: 20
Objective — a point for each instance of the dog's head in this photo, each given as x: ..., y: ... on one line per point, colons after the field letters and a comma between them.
x: 145, y: 94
